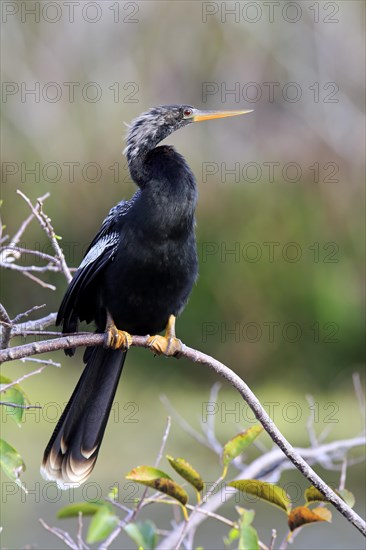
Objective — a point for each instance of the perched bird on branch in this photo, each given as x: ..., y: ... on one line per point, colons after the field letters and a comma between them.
x: 135, y: 278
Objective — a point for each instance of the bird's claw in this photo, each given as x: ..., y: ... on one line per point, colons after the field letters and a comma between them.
x: 162, y: 345
x: 117, y: 339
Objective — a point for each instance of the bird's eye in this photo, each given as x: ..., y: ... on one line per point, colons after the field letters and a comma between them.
x: 187, y: 113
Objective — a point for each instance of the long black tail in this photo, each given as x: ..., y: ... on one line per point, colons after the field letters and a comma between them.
x: 73, y: 448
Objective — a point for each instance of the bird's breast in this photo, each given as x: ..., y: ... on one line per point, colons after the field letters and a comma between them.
x: 149, y: 280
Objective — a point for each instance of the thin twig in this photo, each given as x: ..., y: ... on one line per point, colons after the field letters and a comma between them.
x: 30, y: 268
x: 15, y: 382
x: 16, y: 406
x: 195, y: 510
x: 211, y: 515
x: 38, y: 281
x: 47, y: 362
x: 63, y: 535
x: 37, y: 324
x: 20, y: 316
x: 133, y: 513
x: 273, y: 539
x: 183, y: 422
x: 45, y: 223
x: 233, y: 379
x: 6, y: 330
x: 26, y: 222
x: 163, y: 442
x: 79, y: 535
x: 210, y: 428
x: 360, y: 396
x: 11, y: 249
x: 342, y: 481
x: 310, y: 421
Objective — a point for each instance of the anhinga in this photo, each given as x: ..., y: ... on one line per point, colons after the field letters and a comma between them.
x: 135, y: 278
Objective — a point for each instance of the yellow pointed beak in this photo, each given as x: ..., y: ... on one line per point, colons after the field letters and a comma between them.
x: 199, y: 116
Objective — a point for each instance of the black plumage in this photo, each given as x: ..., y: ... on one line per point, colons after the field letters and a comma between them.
x: 136, y: 276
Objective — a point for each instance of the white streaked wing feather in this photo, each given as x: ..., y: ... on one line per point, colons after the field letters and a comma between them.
x: 107, y: 241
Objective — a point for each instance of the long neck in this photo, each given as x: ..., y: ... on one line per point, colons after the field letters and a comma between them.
x: 139, y: 145
x: 169, y: 193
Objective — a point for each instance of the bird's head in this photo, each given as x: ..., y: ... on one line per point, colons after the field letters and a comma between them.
x: 148, y: 129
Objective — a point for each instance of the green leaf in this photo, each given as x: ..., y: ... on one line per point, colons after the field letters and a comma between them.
x: 143, y: 534
x: 233, y: 534
x: 347, y: 496
x: 101, y: 525
x: 87, y: 509
x: 303, y: 516
x: 248, y: 539
x: 248, y: 536
x: 15, y: 395
x: 312, y: 494
x: 145, y: 474
x: 158, y: 480
x: 266, y: 491
x: 113, y: 493
x: 11, y: 462
x: 184, y: 469
x: 235, y: 446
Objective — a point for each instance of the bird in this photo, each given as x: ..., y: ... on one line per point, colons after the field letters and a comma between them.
x: 135, y: 278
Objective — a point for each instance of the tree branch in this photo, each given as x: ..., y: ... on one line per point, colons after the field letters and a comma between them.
x: 76, y: 340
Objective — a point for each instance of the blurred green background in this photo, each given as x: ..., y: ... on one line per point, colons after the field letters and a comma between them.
x: 279, y: 221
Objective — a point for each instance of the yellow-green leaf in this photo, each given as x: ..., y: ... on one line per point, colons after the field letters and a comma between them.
x: 143, y: 534
x: 158, y: 480
x: 102, y: 524
x: 265, y: 491
x: 14, y: 395
x: 184, y: 469
x: 303, y: 516
x: 11, y: 462
x: 347, y: 496
x: 87, y: 509
x: 232, y: 535
x: 145, y: 474
x: 235, y: 446
x: 248, y: 539
x: 113, y: 493
x: 314, y: 495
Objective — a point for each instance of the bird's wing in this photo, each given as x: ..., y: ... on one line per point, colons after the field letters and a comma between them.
x: 100, y: 252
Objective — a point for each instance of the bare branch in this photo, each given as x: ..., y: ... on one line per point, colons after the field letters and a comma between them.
x: 30, y: 268
x: 247, y: 394
x: 18, y: 380
x: 163, y: 442
x: 26, y: 313
x: 59, y: 533
x: 42, y: 361
x: 26, y: 222
x: 6, y: 327
x: 38, y: 281
x: 210, y: 430
x: 45, y: 223
x: 310, y: 421
x: 360, y: 396
x: 79, y: 536
x: 10, y: 249
x: 183, y: 422
x: 273, y: 539
x: 37, y: 324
